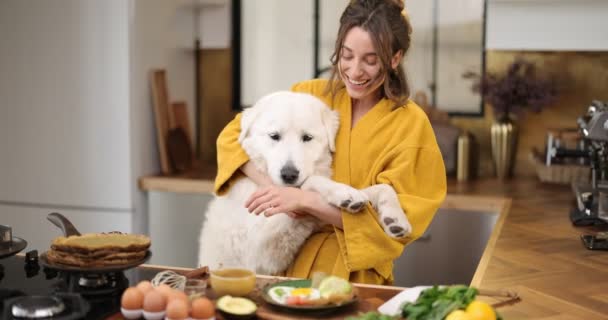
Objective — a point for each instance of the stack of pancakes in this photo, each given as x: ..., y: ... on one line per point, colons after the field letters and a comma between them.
x: 98, y: 249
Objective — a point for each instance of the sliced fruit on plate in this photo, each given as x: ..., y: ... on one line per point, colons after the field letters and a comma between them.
x: 335, y: 289
x: 236, y: 307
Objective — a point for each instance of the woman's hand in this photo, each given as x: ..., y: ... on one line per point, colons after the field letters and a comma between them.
x: 271, y: 200
x: 294, y: 202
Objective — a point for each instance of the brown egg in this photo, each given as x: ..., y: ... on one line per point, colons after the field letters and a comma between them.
x: 177, y: 309
x: 202, y: 308
x: 144, y: 286
x: 154, y: 301
x: 179, y: 295
x: 165, y: 290
x: 132, y: 299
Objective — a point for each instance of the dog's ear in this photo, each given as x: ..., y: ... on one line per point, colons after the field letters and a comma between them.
x: 247, y: 119
x: 331, y: 121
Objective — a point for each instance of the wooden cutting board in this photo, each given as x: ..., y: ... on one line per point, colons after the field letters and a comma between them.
x: 369, y: 300
x: 182, y: 120
x: 362, y: 306
x: 162, y: 116
x: 180, y: 150
x: 179, y: 138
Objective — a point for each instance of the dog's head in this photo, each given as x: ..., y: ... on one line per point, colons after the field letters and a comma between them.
x: 289, y: 136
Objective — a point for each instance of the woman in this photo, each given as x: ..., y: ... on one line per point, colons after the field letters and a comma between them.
x: 384, y: 138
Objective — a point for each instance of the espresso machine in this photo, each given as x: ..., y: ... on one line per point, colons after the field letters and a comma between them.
x: 592, y: 198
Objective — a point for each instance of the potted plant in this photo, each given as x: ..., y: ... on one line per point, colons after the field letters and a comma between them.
x: 511, y: 93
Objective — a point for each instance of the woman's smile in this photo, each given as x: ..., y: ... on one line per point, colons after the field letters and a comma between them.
x: 359, y: 65
x: 355, y: 82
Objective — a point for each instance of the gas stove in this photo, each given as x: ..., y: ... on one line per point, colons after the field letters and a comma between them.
x: 26, y: 282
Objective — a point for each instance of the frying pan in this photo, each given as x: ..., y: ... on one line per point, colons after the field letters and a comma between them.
x: 69, y: 230
x: 106, y: 269
x: 63, y: 223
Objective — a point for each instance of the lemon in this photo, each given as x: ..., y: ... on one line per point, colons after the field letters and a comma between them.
x: 458, y: 315
x: 479, y: 310
x: 333, y: 285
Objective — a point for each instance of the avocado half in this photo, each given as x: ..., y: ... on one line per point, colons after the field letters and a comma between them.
x: 236, y: 308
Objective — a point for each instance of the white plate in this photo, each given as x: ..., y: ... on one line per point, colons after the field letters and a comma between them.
x: 391, y: 307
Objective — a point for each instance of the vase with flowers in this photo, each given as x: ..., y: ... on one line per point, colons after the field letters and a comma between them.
x: 511, y: 93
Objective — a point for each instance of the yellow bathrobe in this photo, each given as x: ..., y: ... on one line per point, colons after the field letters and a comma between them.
x: 395, y: 146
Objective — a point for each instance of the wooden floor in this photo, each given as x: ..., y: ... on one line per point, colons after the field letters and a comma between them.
x: 540, y: 256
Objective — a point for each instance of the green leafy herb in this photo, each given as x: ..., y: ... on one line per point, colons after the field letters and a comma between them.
x: 371, y: 316
x: 436, y: 303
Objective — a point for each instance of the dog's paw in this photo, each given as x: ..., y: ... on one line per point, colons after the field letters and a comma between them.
x: 394, y: 222
x: 347, y: 198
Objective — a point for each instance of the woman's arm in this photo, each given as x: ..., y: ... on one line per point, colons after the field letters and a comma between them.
x: 418, y: 177
x: 230, y: 156
x: 273, y: 199
x: 323, y: 210
x: 260, y: 178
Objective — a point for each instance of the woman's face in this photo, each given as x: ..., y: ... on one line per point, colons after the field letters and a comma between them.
x: 359, y: 65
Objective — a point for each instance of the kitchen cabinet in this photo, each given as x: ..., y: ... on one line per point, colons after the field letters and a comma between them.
x: 450, y: 250
x: 175, y: 221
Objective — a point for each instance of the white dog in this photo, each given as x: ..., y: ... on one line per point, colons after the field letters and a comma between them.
x: 290, y: 137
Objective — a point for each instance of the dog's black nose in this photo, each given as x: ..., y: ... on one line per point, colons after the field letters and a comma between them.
x: 289, y: 174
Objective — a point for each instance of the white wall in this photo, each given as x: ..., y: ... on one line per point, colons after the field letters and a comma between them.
x: 277, y: 44
x: 419, y: 60
x: 64, y: 116
x: 64, y: 119
x: 76, y: 121
x: 329, y: 22
x: 214, y: 24
x: 551, y: 25
x: 157, y: 32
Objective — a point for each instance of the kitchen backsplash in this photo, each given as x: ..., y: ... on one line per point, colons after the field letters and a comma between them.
x: 581, y: 76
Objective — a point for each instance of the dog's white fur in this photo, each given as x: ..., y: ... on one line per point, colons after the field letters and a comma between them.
x: 275, y: 134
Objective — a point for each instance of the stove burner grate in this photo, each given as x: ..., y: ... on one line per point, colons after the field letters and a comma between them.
x: 93, y: 284
x: 59, y: 307
x: 35, y: 307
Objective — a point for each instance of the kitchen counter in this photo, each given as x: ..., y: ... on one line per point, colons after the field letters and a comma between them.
x: 539, y: 253
x: 370, y: 297
x: 534, y: 250
x: 197, y: 180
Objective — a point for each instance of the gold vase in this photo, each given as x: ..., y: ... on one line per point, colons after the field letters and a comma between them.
x: 504, y: 147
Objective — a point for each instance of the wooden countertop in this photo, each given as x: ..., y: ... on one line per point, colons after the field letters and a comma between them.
x: 537, y: 253
x: 197, y: 180
x: 370, y: 297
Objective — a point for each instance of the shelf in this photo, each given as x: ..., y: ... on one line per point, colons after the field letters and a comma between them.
x: 198, y: 180
x: 202, y: 4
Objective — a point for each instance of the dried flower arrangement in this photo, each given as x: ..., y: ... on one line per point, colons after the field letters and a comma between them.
x: 517, y: 89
